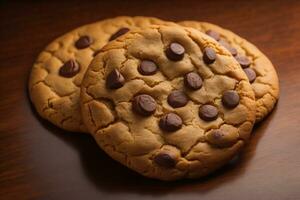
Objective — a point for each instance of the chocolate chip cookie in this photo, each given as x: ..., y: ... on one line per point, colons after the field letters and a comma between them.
x: 168, y: 102
x: 258, y: 68
x: 56, y: 76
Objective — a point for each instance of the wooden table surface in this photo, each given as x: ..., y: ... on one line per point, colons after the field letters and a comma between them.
x: 40, y: 161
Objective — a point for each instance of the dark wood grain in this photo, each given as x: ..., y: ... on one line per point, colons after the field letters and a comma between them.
x: 40, y: 161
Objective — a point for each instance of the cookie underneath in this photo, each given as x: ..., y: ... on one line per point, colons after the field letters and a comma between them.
x: 56, y: 76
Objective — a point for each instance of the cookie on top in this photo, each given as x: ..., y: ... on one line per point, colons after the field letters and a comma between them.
x: 168, y: 102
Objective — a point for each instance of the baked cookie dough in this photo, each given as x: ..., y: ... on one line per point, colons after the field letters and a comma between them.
x: 55, y: 79
x: 259, y: 69
x: 168, y: 102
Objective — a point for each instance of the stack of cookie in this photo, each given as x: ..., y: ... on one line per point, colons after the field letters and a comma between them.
x: 167, y: 100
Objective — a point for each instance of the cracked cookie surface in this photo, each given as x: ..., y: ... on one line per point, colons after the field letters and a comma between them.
x: 259, y: 69
x: 55, y: 79
x: 168, y: 102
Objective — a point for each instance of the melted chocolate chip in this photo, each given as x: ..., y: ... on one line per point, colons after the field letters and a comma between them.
x: 164, y: 159
x: 208, y: 112
x: 69, y: 69
x: 117, y: 34
x: 221, y: 138
x: 193, y: 81
x: 216, y: 137
x: 175, y: 51
x: 144, y: 105
x: 170, y: 122
x: 230, y: 48
x: 250, y: 74
x: 83, y: 42
x: 215, y: 35
x: 243, y: 61
x: 114, y: 80
x: 209, y: 55
x: 217, y: 134
x: 147, y: 67
x: 230, y: 99
x: 177, y: 99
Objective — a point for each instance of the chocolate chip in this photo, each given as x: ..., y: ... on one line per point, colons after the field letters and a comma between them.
x: 170, y: 122
x: 230, y: 48
x: 193, y: 81
x: 175, y: 51
x: 250, y: 74
x: 177, y: 99
x: 83, y: 42
x: 221, y: 138
x: 243, y: 61
x: 215, y: 35
x: 208, y: 112
x: 217, y: 134
x: 230, y: 99
x: 147, y: 67
x: 117, y: 34
x: 144, y: 105
x: 209, y: 55
x: 115, y: 79
x: 164, y: 159
x: 69, y: 69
